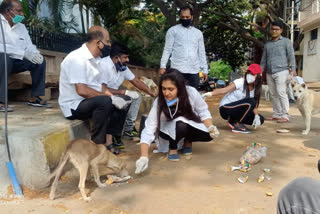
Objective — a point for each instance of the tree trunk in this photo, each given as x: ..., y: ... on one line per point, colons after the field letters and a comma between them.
x: 81, y: 17
x: 87, y: 17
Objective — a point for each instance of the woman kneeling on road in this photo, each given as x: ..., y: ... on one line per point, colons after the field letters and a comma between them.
x: 178, y: 113
x: 240, y: 105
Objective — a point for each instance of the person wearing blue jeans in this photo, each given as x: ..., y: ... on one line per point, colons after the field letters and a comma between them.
x: 129, y: 125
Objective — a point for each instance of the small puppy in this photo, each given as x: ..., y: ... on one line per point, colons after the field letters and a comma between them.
x: 266, y: 92
x: 308, y: 103
x: 85, y: 154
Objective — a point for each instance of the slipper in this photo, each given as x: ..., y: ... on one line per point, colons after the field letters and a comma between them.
x: 39, y: 103
x: 283, y: 120
x: 2, y: 109
x: 174, y: 157
x: 187, y: 151
x: 273, y: 118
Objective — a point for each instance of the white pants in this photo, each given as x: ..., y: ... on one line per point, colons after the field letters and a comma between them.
x: 278, y: 90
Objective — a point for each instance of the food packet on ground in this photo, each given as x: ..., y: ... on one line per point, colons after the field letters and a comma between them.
x: 254, y: 154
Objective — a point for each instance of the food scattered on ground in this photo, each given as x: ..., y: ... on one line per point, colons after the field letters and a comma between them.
x: 261, y: 178
x: 243, y: 179
x: 115, y: 179
x: 109, y: 180
x: 242, y: 168
x: 283, y: 131
x: 266, y: 170
x: 268, y: 193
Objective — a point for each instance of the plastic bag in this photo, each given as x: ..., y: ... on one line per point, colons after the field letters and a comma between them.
x: 253, y: 154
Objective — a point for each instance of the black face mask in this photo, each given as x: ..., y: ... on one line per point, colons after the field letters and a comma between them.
x: 105, y: 50
x: 185, y: 22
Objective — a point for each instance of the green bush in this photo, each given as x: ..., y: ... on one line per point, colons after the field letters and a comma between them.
x: 220, y: 70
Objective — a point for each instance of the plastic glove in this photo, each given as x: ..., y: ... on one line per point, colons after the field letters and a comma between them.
x: 206, y: 95
x: 35, y: 58
x: 119, y: 102
x: 256, y: 121
x: 133, y: 94
x: 213, y: 131
x: 141, y: 164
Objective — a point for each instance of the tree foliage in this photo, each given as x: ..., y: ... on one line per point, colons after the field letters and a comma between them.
x: 220, y: 69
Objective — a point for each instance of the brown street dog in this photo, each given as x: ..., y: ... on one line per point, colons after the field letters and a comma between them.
x: 308, y: 103
x: 85, y: 154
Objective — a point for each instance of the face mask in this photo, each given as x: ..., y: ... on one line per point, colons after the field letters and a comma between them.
x: 185, y: 22
x: 17, y: 19
x: 120, y: 67
x: 250, y: 78
x: 105, y: 51
x: 171, y: 102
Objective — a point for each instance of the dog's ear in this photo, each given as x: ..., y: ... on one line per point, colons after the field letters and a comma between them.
x: 293, y: 83
x: 303, y: 85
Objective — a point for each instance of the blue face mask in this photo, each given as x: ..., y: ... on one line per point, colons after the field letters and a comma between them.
x: 17, y: 18
x: 120, y: 67
x: 171, y: 102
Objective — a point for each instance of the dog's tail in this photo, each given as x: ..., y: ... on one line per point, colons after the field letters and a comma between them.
x: 63, y: 160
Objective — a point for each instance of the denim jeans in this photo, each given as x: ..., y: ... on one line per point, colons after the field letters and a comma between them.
x: 132, y: 114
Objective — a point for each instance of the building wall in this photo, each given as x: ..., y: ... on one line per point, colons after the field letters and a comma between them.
x: 311, y: 63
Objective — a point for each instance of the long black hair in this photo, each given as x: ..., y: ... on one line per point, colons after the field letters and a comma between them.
x: 257, y: 88
x: 184, y: 106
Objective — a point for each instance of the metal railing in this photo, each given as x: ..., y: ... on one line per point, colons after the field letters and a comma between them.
x: 60, y: 42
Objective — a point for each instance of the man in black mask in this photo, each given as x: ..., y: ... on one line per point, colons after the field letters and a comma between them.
x: 115, y: 72
x: 185, y: 48
x: 82, y: 94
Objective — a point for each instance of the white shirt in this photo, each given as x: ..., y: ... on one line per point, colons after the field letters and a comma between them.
x: 186, y: 47
x: 110, y: 76
x: 199, y: 106
x: 17, y: 40
x: 237, y: 94
x: 78, y: 67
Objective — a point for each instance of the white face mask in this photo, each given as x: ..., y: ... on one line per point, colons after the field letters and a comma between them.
x: 250, y: 78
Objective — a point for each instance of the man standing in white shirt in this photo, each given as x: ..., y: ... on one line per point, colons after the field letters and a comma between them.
x: 185, y: 45
x: 81, y: 93
x: 115, y: 71
x: 22, y: 55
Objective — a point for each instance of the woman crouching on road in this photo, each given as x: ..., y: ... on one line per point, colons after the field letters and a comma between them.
x: 240, y: 105
x: 178, y: 117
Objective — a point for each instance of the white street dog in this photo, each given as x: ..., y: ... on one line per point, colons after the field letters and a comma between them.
x: 308, y: 103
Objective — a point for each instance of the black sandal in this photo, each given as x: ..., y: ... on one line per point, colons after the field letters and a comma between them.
x: 115, y: 150
x: 39, y: 103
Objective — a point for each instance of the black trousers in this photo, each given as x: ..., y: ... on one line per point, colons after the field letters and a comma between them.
x: 189, y: 133
x: 106, y: 118
x: 192, y: 79
x: 37, y: 71
x: 240, y: 111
